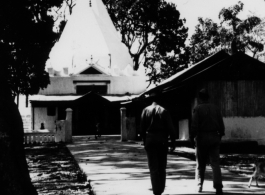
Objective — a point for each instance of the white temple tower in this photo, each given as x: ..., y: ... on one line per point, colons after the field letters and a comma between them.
x: 89, y: 38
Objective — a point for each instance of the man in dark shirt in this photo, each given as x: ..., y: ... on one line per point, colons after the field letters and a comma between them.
x: 207, y: 129
x: 156, y: 126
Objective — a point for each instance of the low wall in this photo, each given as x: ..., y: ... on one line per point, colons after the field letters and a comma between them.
x: 245, y: 129
x: 39, y: 136
x: 236, y: 129
x: 61, y: 131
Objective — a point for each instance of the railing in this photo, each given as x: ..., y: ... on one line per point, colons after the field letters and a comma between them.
x: 62, y: 132
x: 31, y: 137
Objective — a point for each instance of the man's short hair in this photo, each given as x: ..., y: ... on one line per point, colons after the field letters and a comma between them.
x: 203, y: 94
x: 155, y: 96
x: 154, y: 93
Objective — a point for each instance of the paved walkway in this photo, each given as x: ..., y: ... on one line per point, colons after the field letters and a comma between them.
x: 120, y: 168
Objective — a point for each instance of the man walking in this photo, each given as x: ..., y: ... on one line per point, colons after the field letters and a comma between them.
x: 156, y: 126
x: 207, y: 129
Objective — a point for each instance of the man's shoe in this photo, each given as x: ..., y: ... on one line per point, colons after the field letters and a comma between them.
x: 219, y: 192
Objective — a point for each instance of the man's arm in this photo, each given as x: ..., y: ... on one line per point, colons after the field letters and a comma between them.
x: 221, y: 123
x: 143, y: 127
x: 194, y: 126
x: 171, y: 129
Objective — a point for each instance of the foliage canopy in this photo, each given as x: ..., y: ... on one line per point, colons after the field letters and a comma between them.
x: 26, y: 38
x: 154, y: 34
x: 231, y: 34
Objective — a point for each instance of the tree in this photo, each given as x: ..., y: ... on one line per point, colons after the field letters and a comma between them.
x: 70, y: 5
x: 153, y: 33
x: 14, y: 174
x: 258, y: 34
x: 26, y: 38
x: 60, y: 14
x: 209, y: 36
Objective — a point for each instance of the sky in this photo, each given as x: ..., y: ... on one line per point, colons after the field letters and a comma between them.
x: 192, y: 9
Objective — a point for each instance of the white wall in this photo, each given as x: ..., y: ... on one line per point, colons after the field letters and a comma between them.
x: 245, y: 128
x: 40, y: 116
x: 184, y: 129
x: 118, y: 84
x: 236, y: 128
x: 59, y: 85
x: 125, y: 84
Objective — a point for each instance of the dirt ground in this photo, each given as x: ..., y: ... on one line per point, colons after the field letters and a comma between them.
x: 239, y: 163
x: 54, y: 171
x: 243, y: 164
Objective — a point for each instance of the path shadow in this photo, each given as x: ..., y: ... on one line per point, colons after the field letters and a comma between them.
x: 116, y: 160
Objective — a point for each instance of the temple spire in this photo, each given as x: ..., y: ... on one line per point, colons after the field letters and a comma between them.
x: 89, y: 32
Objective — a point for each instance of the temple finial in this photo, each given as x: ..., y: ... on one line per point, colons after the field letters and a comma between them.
x: 90, y: 4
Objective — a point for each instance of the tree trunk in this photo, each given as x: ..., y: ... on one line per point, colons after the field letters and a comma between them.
x: 17, y: 99
x: 14, y: 174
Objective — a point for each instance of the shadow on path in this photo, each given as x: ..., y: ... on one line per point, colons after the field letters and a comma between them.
x: 116, y: 167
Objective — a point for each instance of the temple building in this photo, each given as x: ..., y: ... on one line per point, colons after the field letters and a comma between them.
x: 91, y: 72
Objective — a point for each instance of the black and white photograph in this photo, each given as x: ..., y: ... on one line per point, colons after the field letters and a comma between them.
x: 132, y: 97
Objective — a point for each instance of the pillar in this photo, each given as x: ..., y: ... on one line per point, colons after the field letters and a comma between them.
x: 68, y: 125
x: 123, y: 124
x: 131, y: 128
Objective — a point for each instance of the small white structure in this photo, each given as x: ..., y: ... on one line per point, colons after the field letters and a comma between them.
x: 61, y: 133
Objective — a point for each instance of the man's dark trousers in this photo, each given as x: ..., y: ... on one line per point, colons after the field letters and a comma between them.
x: 156, y: 148
x: 208, y: 146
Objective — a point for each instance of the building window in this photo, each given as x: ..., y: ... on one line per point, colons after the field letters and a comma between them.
x: 99, y: 89
x: 51, y: 111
